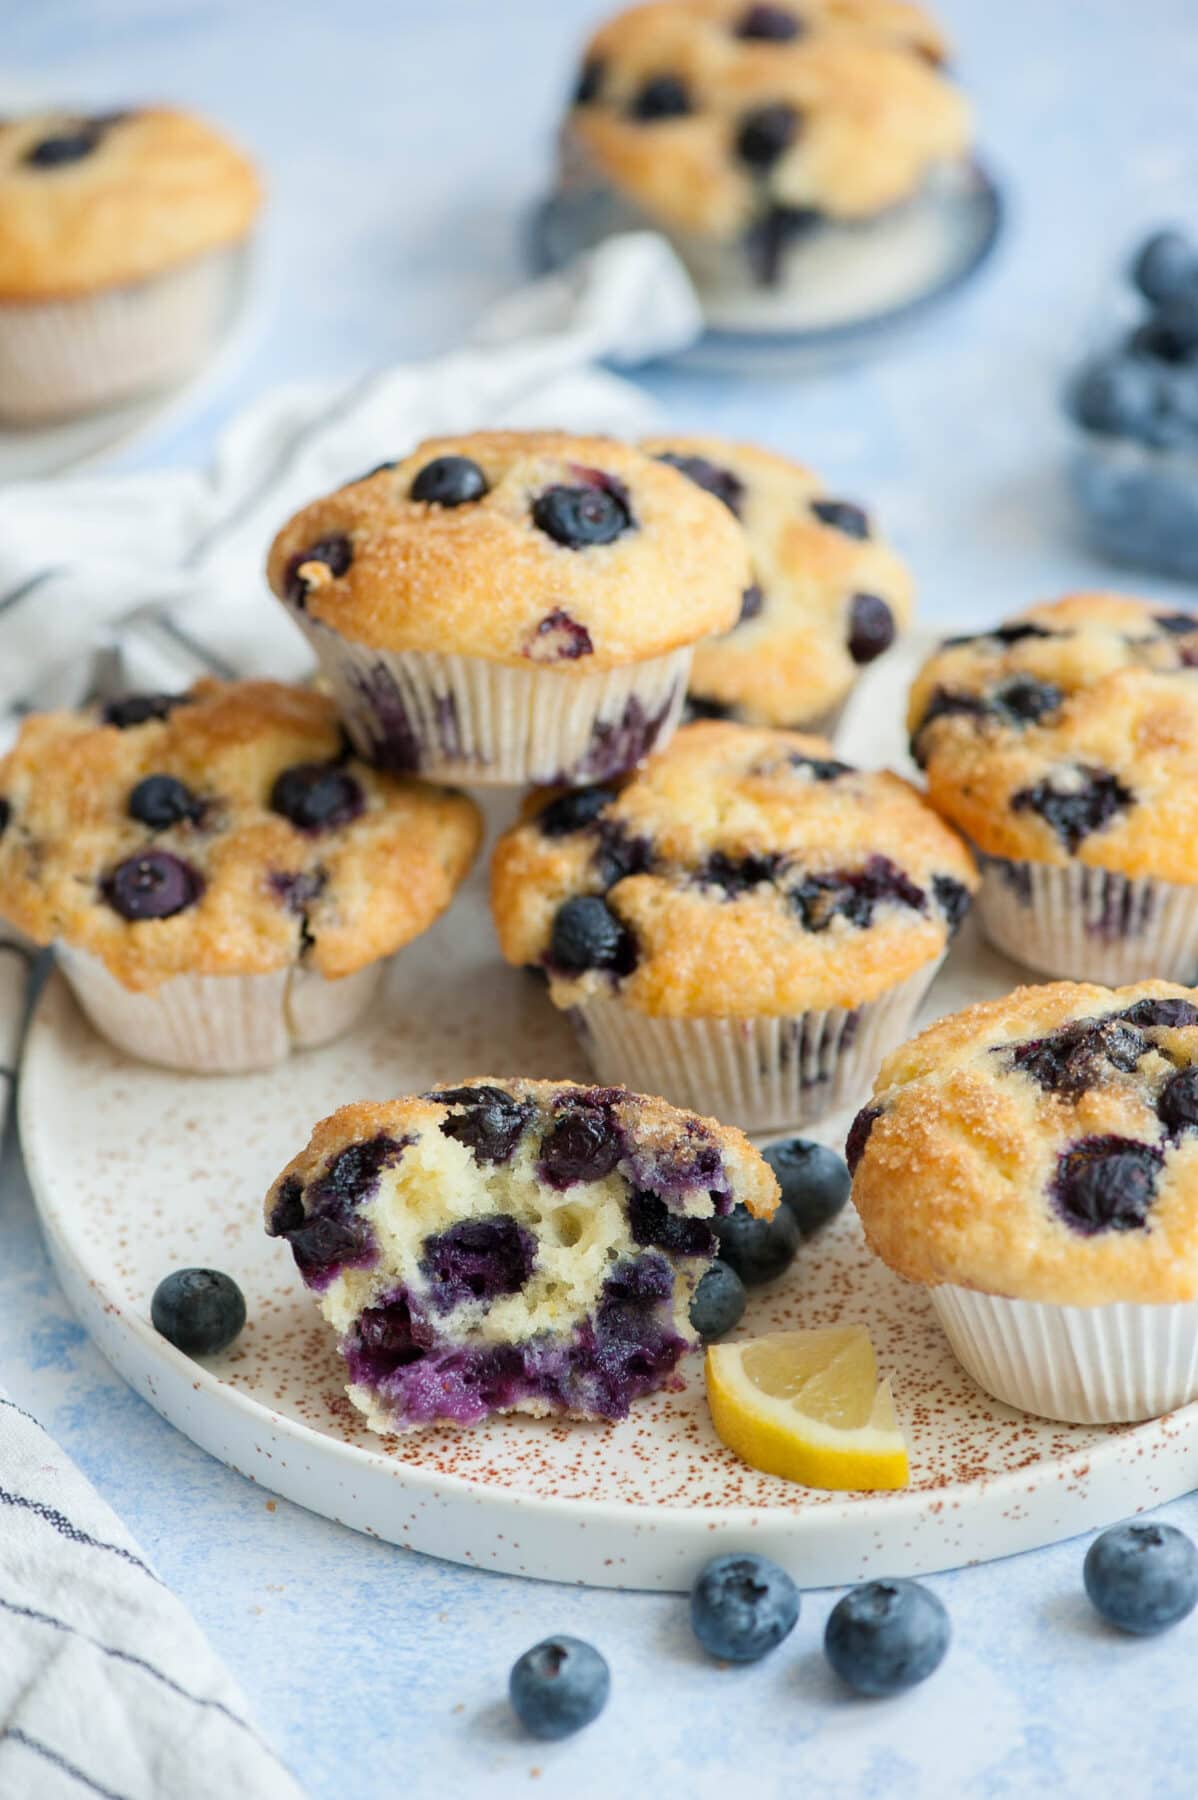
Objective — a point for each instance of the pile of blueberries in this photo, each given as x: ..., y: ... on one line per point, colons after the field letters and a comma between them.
x: 881, y: 1638
x: 1142, y: 394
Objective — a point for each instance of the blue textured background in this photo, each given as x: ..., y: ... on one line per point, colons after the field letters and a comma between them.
x: 404, y: 140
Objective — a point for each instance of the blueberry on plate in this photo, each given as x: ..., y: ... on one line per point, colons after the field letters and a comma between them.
x: 815, y: 1182
x: 757, y: 1249
x: 199, y: 1311
x: 718, y: 1303
x: 559, y: 1686
x: 1165, y: 265
x: 742, y: 1607
x: 1142, y: 1577
x: 886, y: 1636
x: 1118, y: 395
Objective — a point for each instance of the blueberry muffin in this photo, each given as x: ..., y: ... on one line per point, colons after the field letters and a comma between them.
x: 118, y: 241
x: 220, y: 877
x: 510, y: 1245
x: 827, y: 597
x: 511, y: 607
x: 1033, y: 1162
x: 746, y: 132
x: 744, y: 926
x: 1064, y: 744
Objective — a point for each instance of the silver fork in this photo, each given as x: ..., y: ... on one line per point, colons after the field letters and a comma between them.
x: 148, y: 652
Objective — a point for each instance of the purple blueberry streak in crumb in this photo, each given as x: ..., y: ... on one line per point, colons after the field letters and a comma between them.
x: 618, y: 745
x: 719, y: 482
x: 583, y: 1144
x: 385, y: 1338
x: 559, y: 638
x: 689, y: 1163
x: 1076, y: 808
x: 653, y: 1225
x: 858, y: 1138
x: 490, y: 1122
x: 853, y: 894
x: 1080, y: 1055
x: 335, y: 552
x: 323, y: 1224
x: 477, y: 1259
x: 1106, y: 1184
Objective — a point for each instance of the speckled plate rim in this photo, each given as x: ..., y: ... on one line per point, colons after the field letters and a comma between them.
x: 593, y: 1541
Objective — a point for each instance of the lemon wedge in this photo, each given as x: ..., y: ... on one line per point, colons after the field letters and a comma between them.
x: 808, y: 1405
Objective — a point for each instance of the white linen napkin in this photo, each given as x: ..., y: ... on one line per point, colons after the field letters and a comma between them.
x: 106, y: 1685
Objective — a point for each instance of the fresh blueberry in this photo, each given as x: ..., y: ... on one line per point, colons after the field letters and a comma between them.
x: 1118, y: 396
x: 559, y: 1686
x: 1165, y: 265
x: 842, y: 515
x: 815, y: 1182
x: 335, y: 552
x: 139, y: 709
x: 768, y: 24
x: 721, y: 483
x: 588, y: 935
x: 161, y: 801
x: 590, y: 82
x: 1177, y: 1105
x: 871, y: 627
x: 584, y: 1144
x: 766, y: 134
x: 316, y: 796
x: 1142, y: 1577
x: 65, y: 147
x: 758, y: 1249
x: 152, y: 885
x: 1156, y: 342
x: 742, y: 1607
x: 1090, y: 801
x: 1177, y: 319
x: 580, y: 518
x: 449, y: 481
x: 1106, y: 1183
x: 485, y: 1119
x: 573, y: 811
x: 199, y: 1311
x: 718, y: 1303
x: 886, y: 1636
x: 661, y: 97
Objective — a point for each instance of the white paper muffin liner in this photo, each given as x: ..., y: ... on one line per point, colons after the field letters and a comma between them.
x: 761, y: 1074
x: 1086, y: 924
x: 219, y: 1024
x: 1086, y: 1365
x: 59, y: 357
x: 463, y: 719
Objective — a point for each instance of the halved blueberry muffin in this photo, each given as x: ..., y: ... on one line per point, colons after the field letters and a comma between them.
x: 119, y: 236
x: 511, y: 1246
x: 745, y: 132
x: 828, y: 596
x: 746, y: 925
x: 220, y: 877
x: 511, y: 607
x: 1064, y: 744
x: 1033, y: 1161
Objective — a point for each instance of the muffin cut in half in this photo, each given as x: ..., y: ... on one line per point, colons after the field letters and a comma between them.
x: 511, y: 1245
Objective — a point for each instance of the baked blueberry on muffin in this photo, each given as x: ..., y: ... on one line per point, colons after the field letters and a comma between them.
x: 744, y: 926
x: 827, y: 596
x: 220, y: 878
x: 117, y: 240
x: 512, y: 607
x: 510, y: 1245
x: 1033, y: 1161
x: 1064, y: 744
x: 746, y: 132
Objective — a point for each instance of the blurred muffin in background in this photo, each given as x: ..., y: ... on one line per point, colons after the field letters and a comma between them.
x: 828, y: 596
x: 118, y: 241
x: 752, y: 133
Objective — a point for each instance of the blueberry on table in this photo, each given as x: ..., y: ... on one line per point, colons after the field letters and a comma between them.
x: 815, y: 1182
x: 1142, y: 1577
x: 559, y: 1686
x: 742, y: 1607
x: 199, y: 1311
x: 886, y: 1636
x: 718, y: 1303
x: 1165, y: 265
x: 1118, y: 396
x: 758, y: 1250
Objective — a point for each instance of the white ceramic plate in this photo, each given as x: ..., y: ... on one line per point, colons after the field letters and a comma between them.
x: 28, y: 453
x: 158, y: 1171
